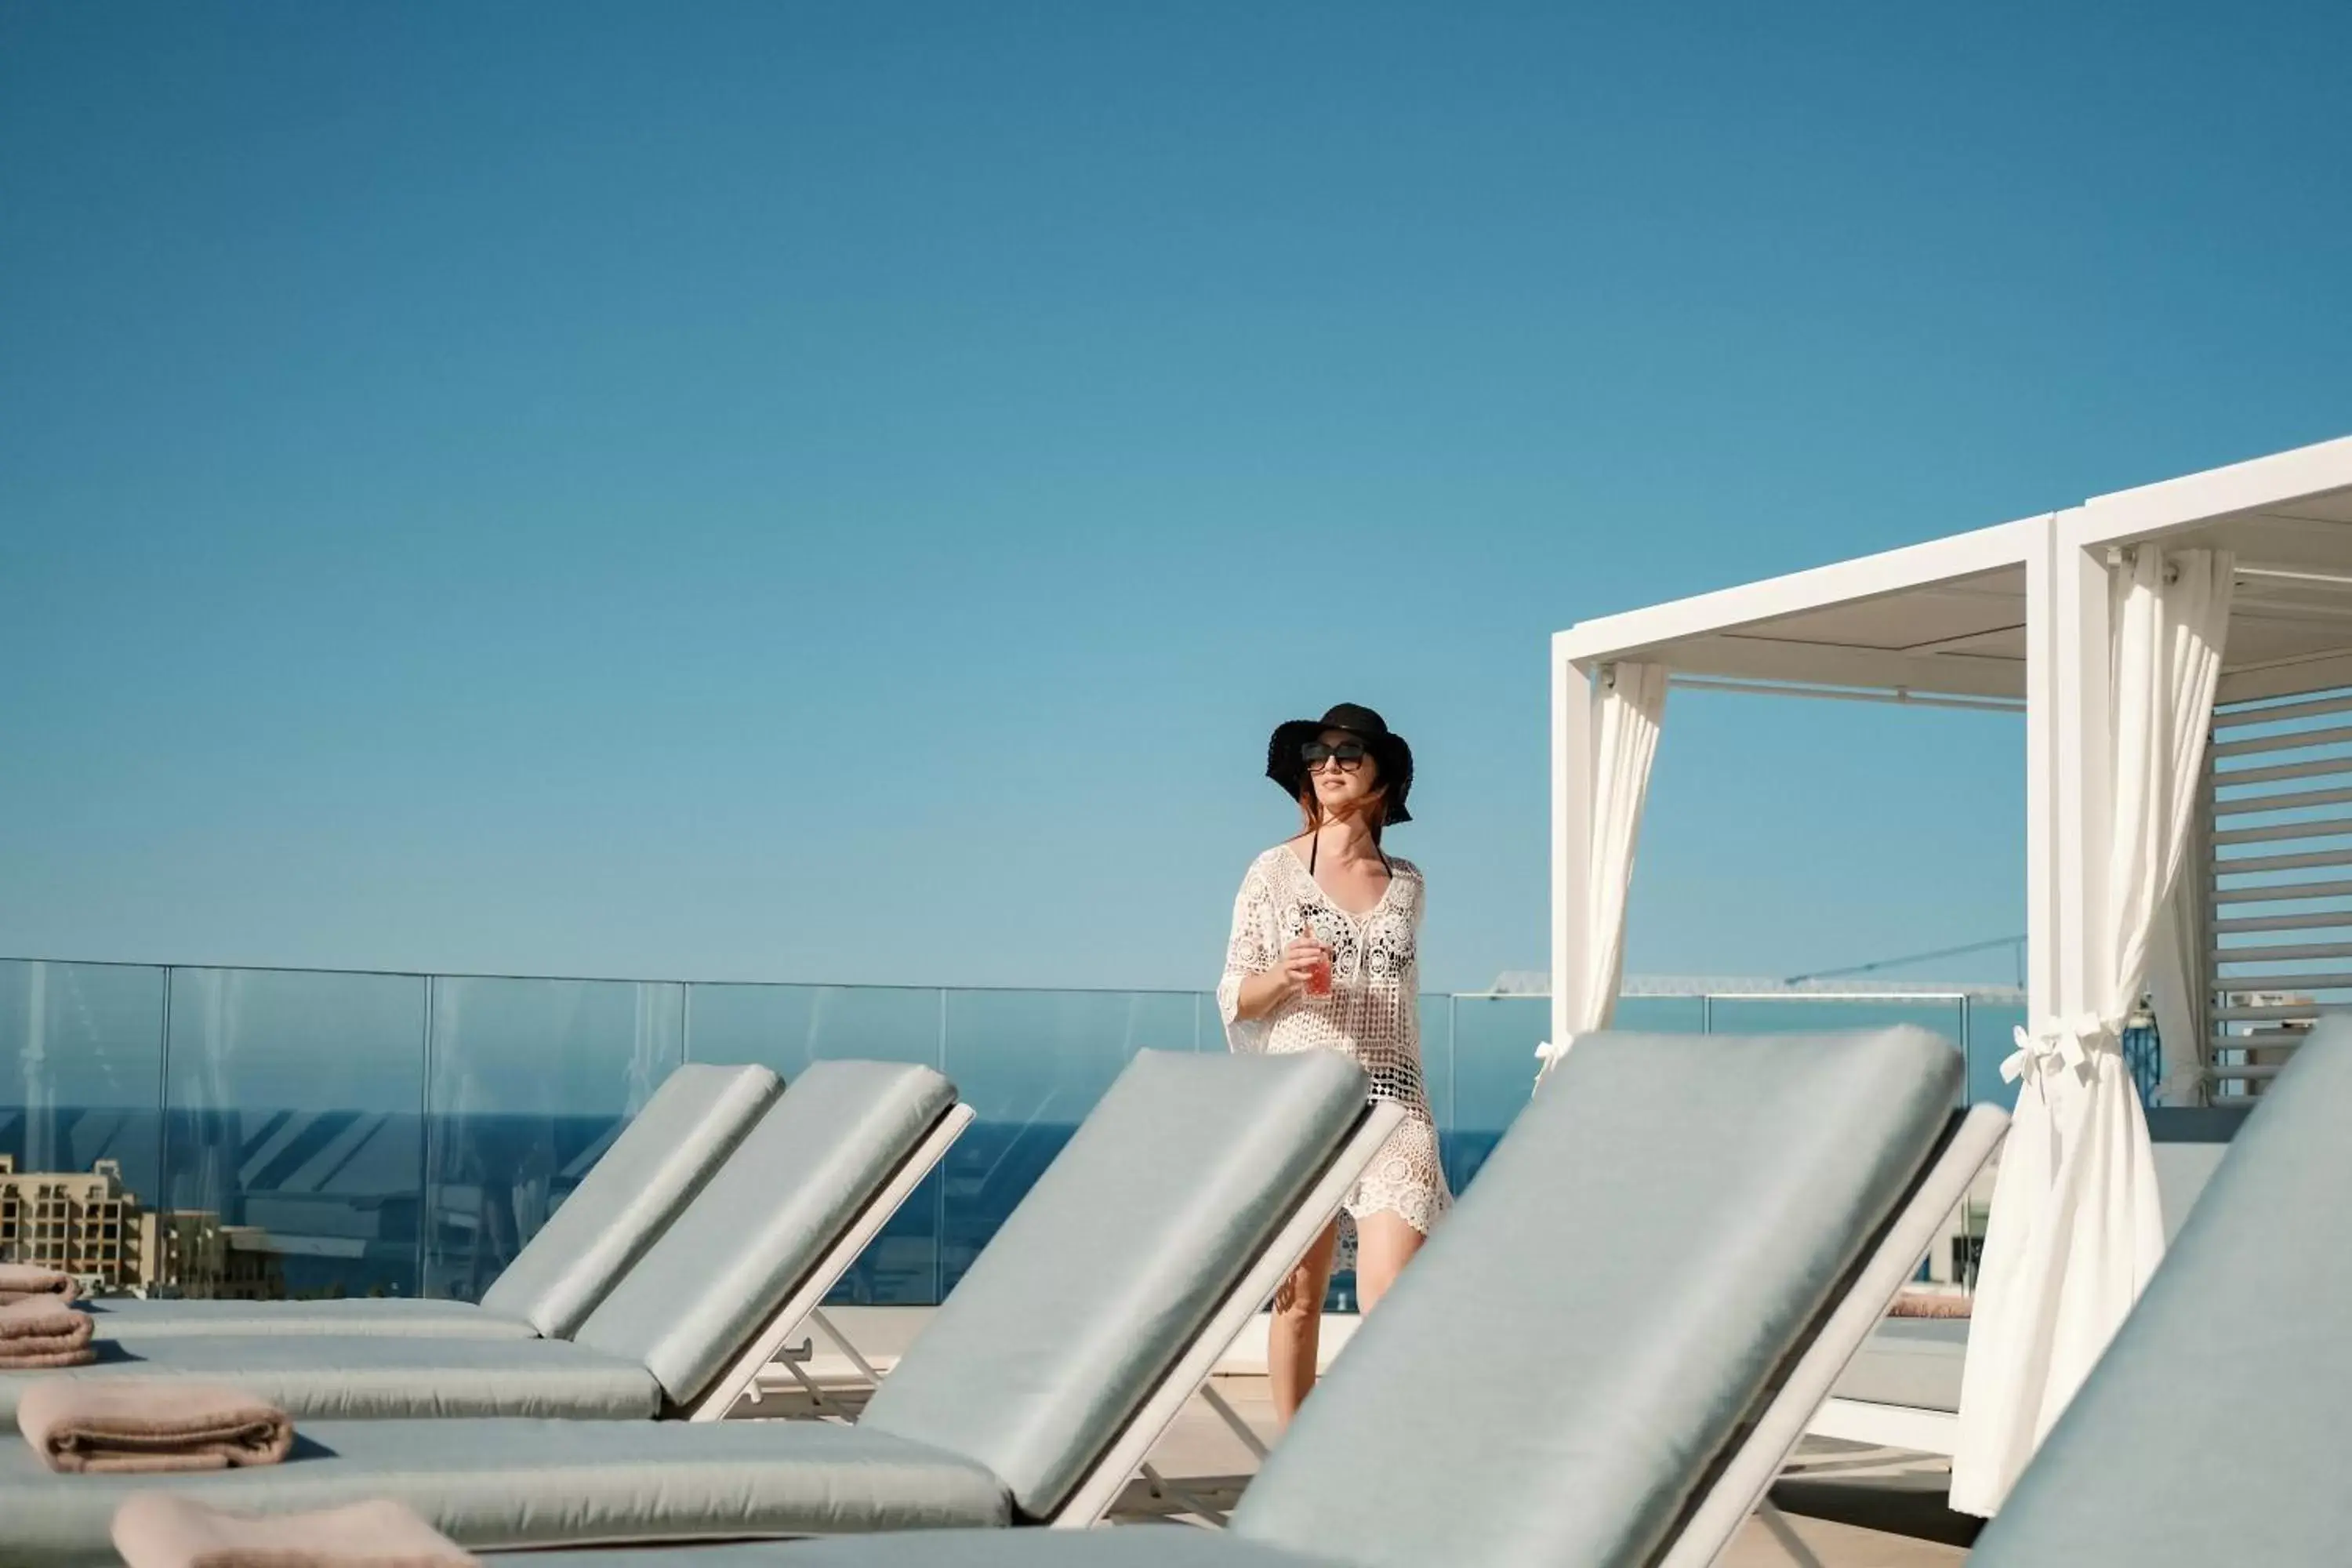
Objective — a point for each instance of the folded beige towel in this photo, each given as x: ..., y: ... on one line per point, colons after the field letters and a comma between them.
x: 43, y: 1331
x: 18, y: 1280
x: 158, y: 1532
x: 150, y: 1424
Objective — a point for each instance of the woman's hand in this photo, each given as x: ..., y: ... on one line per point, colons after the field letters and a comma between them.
x: 1300, y: 959
x: 1272, y: 990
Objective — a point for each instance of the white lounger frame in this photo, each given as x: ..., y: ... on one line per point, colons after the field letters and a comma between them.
x: 1122, y: 1457
x: 801, y: 1304
x: 1906, y: 1426
x: 1741, y: 1482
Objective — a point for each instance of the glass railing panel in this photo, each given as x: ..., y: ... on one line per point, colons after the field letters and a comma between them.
x: 82, y: 1080
x: 361, y: 1133
x: 1032, y: 1064
x: 788, y: 1027
x: 527, y: 1082
x: 293, y: 1150
x: 1992, y: 1036
x: 1208, y: 1024
x: 1659, y: 1015
x: 1495, y: 1040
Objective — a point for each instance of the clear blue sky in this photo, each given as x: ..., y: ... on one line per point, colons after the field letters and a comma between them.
x: 842, y: 492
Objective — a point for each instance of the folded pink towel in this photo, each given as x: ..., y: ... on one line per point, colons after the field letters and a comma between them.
x: 43, y: 1331
x: 157, y: 1531
x: 40, y: 1316
x: 18, y: 1280
x: 150, y: 1424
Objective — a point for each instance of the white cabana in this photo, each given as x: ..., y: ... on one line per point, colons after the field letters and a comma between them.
x: 2113, y: 629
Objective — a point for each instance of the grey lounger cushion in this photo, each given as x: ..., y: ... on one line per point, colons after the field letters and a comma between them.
x: 711, y: 1279
x: 635, y: 1189
x: 409, y: 1315
x: 629, y: 1195
x: 1110, y: 1264
x: 2212, y: 1431
x: 1913, y: 1362
x: 520, y: 1483
x: 791, y: 1187
x: 1656, y: 1236
x: 380, y: 1377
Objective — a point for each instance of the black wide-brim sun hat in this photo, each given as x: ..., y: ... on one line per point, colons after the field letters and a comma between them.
x: 1389, y: 752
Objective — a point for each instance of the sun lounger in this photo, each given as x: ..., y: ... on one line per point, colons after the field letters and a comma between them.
x: 1606, y: 1354
x: 656, y: 1163
x: 1603, y: 1357
x: 1101, y: 1305
x: 683, y: 1332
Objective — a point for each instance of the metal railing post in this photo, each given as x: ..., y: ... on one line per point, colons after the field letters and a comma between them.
x: 939, y: 1179
x: 163, y: 1102
x: 425, y: 1150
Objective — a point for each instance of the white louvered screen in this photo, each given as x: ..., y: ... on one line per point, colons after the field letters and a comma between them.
x: 2280, y: 847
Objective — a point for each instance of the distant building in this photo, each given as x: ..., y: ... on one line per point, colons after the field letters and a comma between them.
x: 93, y: 1228
x: 188, y: 1252
x: 86, y: 1225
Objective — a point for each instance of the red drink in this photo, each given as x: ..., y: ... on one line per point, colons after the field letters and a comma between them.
x: 1319, y: 979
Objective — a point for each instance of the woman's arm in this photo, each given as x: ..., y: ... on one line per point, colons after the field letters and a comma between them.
x: 1260, y: 994
x: 1260, y: 978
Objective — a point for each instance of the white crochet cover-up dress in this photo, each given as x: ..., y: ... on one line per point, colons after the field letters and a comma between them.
x: 1373, y: 1015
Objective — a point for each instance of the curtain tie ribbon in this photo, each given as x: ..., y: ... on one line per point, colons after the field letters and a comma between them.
x: 2059, y: 1043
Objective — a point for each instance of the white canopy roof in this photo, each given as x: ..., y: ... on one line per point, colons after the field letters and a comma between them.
x: 1947, y: 619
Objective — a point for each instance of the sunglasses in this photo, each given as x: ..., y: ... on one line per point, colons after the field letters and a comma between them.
x: 1349, y: 754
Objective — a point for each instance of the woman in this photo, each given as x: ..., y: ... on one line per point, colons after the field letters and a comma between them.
x: 1322, y: 958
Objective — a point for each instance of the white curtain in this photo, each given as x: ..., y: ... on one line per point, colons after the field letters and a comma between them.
x: 2177, y: 987
x: 1631, y: 707
x: 2074, y: 1232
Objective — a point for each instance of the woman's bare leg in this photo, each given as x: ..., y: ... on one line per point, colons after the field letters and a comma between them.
x: 1291, y: 1338
x: 1384, y: 1245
